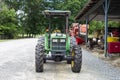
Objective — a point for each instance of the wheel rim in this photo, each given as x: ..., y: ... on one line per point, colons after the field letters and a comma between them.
x: 73, y: 62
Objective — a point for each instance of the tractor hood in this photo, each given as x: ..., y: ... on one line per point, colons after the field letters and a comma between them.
x: 58, y: 35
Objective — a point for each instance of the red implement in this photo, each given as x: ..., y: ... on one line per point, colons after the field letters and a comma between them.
x: 74, y: 31
x: 79, y: 40
x: 113, y: 47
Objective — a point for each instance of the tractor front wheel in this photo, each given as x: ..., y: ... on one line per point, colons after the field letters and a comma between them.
x: 72, y: 43
x: 39, y: 57
x: 77, y: 62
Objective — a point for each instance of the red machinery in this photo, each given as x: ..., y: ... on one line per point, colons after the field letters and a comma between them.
x: 74, y: 31
x: 114, y: 41
x: 113, y: 47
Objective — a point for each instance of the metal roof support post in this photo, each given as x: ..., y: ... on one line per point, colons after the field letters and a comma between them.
x: 67, y: 24
x: 67, y: 27
x: 49, y: 23
x: 87, y: 19
x: 106, y: 6
x: 49, y: 31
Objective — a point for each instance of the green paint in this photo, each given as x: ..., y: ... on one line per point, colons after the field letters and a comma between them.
x: 68, y: 45
x: 46, y: 41
x: 57, y: 37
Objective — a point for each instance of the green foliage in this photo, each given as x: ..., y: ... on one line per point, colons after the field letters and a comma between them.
x: 114, y: 24
x: 8, y: 22
x: 16, y: 4
x: 72, y: 5
x: 99, y: 25
x: 32, y: 21
x: 95, y: 25
x: 35, y: 18
x: 35, y: 22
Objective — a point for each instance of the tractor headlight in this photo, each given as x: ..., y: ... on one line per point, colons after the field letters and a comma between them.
x: 62, y: 40
x: 55, y: 40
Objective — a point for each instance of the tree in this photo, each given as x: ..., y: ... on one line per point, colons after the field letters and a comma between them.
x: 8, y: 22
x: 35, y: 17
x: 114, y: 24
x: 72, y: 5
x: 96, y: 25
x: 35, y: 22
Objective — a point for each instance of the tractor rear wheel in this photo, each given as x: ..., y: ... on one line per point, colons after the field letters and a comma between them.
x: 72, y: 43
x: 41, y: 41
x: 77, y: 62
x: 39, y: 55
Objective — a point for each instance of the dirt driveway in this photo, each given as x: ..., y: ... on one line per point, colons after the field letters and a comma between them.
x: 17, y: 63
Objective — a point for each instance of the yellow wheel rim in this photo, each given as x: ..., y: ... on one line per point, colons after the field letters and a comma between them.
x: 73, y: 63
x: 73, y: 54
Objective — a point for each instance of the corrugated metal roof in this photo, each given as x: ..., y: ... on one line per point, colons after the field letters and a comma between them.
x: 87, y: 7
x: 95, y: 7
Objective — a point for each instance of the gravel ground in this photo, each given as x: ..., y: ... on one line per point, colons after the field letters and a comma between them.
x: 17, y: 63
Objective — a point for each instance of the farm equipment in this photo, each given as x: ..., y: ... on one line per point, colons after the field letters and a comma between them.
x: 57, y: 46
x: 75, y: 31
x: 113, y: 40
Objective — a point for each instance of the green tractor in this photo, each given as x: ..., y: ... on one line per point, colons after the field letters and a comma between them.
x: 58, y: 46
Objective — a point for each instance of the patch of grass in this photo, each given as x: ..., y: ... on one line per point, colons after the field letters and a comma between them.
x: 3, y: 40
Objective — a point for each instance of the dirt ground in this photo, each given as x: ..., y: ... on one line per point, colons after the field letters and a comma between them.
x: 113, y: 60
x: 17, y: 62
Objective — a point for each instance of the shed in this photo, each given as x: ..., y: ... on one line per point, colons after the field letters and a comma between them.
x: 100, y: 10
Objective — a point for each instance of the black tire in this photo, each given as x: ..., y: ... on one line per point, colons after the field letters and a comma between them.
x: 39, y: 56
x: 77, y: 62
x: 72, y: 43
x: 41, y: 41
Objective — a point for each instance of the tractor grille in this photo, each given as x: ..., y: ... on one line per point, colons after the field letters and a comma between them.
x: 58, y: 44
